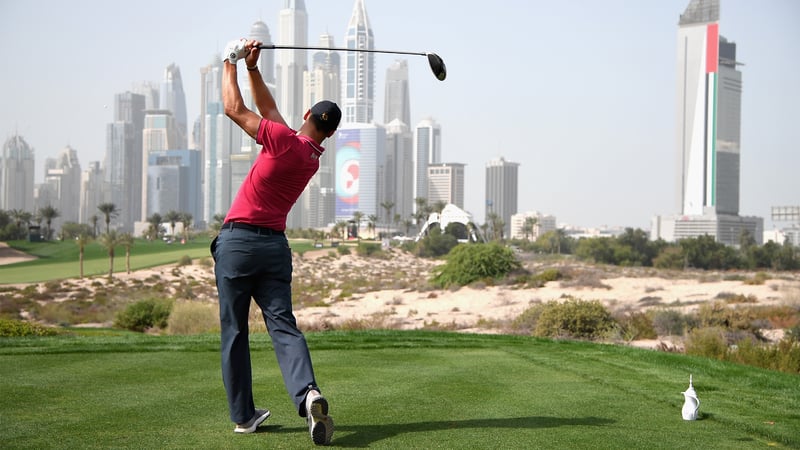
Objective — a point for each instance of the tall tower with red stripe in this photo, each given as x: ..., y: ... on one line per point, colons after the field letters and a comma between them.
x: 709, y: 88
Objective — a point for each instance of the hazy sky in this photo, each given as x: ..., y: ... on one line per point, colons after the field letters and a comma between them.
x: 581, y: 93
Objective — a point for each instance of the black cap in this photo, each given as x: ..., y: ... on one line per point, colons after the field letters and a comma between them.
x: 326, y: 115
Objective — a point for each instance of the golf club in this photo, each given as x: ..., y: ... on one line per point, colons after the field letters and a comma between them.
x: 435, y: 61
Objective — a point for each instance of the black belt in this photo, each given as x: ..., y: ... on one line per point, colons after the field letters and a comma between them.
x: 253, y: 228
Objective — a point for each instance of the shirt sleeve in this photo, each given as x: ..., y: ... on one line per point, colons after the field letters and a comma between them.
x: 275, y: 138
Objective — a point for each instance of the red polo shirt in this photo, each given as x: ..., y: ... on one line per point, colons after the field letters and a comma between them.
x: 281, y: 171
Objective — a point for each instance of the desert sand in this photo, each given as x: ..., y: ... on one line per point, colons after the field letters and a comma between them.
x: 480, y: 308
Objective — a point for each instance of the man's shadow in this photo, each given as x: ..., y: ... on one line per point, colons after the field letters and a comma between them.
x: 365, y: 435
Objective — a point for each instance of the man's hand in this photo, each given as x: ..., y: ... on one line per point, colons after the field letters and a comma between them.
x: 252, y: 53
x: 235, y: 50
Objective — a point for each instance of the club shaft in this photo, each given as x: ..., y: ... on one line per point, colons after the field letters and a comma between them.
x: 337, y: 49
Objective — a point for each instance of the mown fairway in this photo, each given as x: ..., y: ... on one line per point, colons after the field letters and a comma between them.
x: 389, y: 389
x: 60, y: 260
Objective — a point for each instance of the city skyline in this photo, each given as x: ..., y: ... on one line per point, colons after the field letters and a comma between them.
x: 589, y: 116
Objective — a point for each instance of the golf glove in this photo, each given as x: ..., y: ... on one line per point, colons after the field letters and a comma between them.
x: 234, y: 51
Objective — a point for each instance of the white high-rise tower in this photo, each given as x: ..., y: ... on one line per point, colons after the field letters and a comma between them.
x: 292, y: 30
x: 359, y: 79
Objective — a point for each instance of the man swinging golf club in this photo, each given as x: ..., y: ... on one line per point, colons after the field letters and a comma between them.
x: 252, y: 255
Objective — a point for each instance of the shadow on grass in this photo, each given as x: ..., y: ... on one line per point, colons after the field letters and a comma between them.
x: 366, y: 435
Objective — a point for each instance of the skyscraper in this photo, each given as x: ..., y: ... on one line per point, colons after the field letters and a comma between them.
x: 123, y: 159
x: 266, y: 60
x: 359, y: 88
x: 292, y: 30
x: 397, y: 104
x: 502, y: 186
x: 427, y: 150
x: 16, y: 175
x: 399, y: 178
x: 708, y: 118
x: 360, y: 162
x: 399, y: 173
x: 173, y: 99
x: 219, y: 134
x: 446, y: 184
x: 92, y: 192
x: 159, y: 133
x: 174, y: 182
x: 322, y: 82
x: 63, y: 180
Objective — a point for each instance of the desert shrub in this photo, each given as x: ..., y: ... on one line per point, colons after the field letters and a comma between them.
x: 793, y: 334
x: 20, y: 328
x: 525, y: 323
x: 343, y: 250
x: 372, y: 250
x: 709, y: 342
x: 783, y: 356
x: 543, y: 277
x: 185, y: 260
x: 144, y: 314
x: 634, y: 325
x: 731, y: 298
x: 73, y: 312
x: 668, y: 322
x: 670, y: 258
x: 12, y: 305
x: 574, y: 318
x: 718, y: 314
x: 758, y: 279
x: 435, y: 244
x: 193, y: 318
x: 467, y: 263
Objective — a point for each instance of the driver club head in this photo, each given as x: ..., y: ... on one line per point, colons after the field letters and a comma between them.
x: 437, y: 66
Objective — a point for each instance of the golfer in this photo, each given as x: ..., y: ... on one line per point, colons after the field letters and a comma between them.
x: 252, y: 255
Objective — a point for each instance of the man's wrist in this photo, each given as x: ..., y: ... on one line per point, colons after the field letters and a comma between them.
x: 252, y: 68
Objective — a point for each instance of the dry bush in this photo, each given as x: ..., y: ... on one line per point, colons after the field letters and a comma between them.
x: 189, y: 317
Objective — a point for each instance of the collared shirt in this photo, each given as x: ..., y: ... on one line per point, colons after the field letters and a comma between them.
x: 279, y: 175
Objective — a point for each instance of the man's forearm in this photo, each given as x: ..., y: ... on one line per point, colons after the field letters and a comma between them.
x: 232, y: 99
x: 265, y: 102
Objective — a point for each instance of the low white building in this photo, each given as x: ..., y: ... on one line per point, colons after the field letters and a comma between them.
x: 542, y: 224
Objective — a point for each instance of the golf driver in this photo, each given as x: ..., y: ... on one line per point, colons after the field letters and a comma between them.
x: 435, y: 61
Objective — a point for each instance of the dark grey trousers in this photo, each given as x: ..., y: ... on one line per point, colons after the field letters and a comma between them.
x: 251, y: 265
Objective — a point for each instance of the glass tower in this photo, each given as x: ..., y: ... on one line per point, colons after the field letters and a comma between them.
x: 359, y: 81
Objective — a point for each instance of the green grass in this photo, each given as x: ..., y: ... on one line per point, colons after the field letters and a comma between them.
x: 388, y: 389
x: 60, y: 260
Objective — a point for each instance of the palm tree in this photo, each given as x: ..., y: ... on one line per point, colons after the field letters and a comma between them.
x: 81, y: 241
x: 388, y: 205
x: 94, y: 219
x: 48, y: 213
x: 216, y: 224
x: 155, y: 226
x: 527, y: 227
x: 109, y: 241
x: 372, y: 219
x: 357, y: 216
x: 439, y: 205
x: 407, y: 225
x: 186, y: 221
x: 421, y: 214
x: 172, y: 216
x: 109, y: 210
x: 127, y: 241
x: 341, y: 226
x: 21, y: 217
